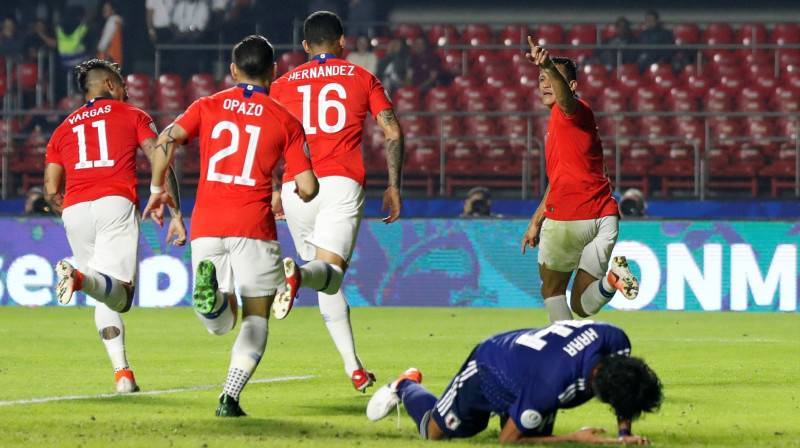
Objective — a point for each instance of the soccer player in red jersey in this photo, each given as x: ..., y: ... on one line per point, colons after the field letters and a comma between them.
x: 333, y: 97
x: 93, y: 154
x: 243, y: 133
x: 578, y: 219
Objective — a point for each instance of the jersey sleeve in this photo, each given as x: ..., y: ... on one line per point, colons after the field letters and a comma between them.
x: 275, y: 90
x: 145, y: 128
x: 378, y: 97
x: 296, y: 152
x: 52, y: 155
x: 535, y: 410
x: 190, y: 121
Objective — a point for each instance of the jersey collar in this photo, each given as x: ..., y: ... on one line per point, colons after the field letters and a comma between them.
x: 249, y: 89
x: 94, y: 100
x: 323, y: 57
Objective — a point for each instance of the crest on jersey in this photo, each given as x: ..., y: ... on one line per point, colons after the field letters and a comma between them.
x: 530, y: 419
x: 451, y: 421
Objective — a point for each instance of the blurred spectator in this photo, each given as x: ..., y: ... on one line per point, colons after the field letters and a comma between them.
x: 12, y: 42
x: 364, y: 56
x: 424, y: 66
x: 234, y: 19
x: 110, y: 45
x: 71, y: 38
x: 478, y: 204
x: 190, y: 20
x: 632, y: 203
x: 654, y: 34
x: 35, y: 203
x: 360, y: 16
x: 159, y: 20
x: 393, y: 67
x: 624, y: 36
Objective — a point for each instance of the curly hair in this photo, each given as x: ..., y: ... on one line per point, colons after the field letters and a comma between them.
x: 83, y: 69
x: 627, y: 384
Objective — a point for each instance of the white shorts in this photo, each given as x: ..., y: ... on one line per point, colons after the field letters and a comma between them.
x: 255, y: 266
x: 584, y: 244
x: 104, y: 236
x: 330, y: 221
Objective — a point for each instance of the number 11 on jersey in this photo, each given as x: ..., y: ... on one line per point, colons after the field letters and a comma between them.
x: 102, y: 144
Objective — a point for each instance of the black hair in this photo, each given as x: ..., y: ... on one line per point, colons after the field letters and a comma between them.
x: 628, y: 385
x: 652, y: 12
x: 322, y: 27
x: 487, y: 194
x: 83, y: 69
x: 570, y: 67
x: 254, y: 56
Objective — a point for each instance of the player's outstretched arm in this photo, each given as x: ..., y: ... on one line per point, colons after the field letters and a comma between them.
x: 53, y: 183
x: 565, y: 97
x: 163, y: 153
x: 511, y: 434
x: 394, y: 159
x: 307, y: 185
x: 531, y: 236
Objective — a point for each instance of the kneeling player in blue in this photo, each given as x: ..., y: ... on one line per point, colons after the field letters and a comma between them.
x: 525, y: 376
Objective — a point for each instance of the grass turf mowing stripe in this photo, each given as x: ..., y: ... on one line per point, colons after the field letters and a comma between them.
x: 151, y: 392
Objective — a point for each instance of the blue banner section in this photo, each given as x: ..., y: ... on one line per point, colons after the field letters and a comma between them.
x: 683, y: 265
x: 516, y: 208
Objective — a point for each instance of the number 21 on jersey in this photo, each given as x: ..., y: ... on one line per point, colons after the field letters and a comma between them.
x: 247, y: 168
x: 323, y: 104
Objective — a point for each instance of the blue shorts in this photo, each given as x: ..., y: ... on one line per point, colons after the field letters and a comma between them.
x: 463, y: 411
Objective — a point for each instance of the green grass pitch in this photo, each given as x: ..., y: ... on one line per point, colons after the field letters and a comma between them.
x: 731, y: 379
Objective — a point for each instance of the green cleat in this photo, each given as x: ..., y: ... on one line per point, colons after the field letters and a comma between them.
x: 228, y: 407
x: 204, y: 295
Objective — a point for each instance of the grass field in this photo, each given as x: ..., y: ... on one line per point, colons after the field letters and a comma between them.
x: 730, y: 379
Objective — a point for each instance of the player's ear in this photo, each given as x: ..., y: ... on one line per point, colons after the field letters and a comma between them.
x: 234, y: 73
x: 306, y: 47
x: 341, y: 41
x: 573, y: 85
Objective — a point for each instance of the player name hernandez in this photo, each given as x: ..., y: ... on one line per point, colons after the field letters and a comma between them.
x: 326, y: 70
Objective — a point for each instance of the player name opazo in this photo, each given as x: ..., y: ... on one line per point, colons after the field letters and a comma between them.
x: 243, y: 107
x: 581, y: 341
x: 326, y: 70
x: 93, y: 112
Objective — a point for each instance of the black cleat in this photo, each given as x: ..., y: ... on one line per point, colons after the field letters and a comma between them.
x: 228, y: 407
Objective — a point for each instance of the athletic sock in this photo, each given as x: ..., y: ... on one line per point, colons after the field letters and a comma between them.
x: 557, y: 308
x: 246, y: 354
x: 221, y: 319
x: 417, y: 400
x: 112, y: 332
x: 321, y: 276
x: 335, y: 312
x: 105, y: 289
x: 597, y: 294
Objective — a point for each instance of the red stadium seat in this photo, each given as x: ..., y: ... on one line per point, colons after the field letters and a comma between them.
x: 137, y: 80
x: 169, y: 80
x: 750, y: 99
x: 659, y: 70
x: 734, y: 169
x: 717, y: 33
x: 762, y: 131
x: 786, y: 99
x: 446, y: 125
x: 453, y: 62
x: 226, y: 83
x: 408, y: 31
x: 476, y: 34
x: 751, y: 33
x: 685, y: 33
x: 443, y: 35
x: 681, y: 99
x: 692, y: 128
x: 290, y: 60
x: 200, y: 85
x: 731, y: 84
x: 515, y: 35
x: 629, y: 83
x: 548, y: 34
x: 613, y: 99
x: 677, y: 169
x: 785, y: 34
x: 781, y: 171
x: 615, y: 126
x: 414, y: 126
x: 647, y: 99
x: 631, y: 70
x: 581, y: 34
x: 438, y: 99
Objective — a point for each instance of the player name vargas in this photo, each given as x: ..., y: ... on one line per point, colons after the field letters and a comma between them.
x: 326, y: 70
x: 93, y: 112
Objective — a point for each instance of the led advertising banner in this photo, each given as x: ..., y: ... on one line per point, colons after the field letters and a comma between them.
x: 682, y: 265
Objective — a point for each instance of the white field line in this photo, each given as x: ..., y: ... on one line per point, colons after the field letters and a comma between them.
x: 150, y: 392
x: 725, y: 340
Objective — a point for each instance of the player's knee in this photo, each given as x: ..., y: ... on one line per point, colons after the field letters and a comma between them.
x: 335, y: 278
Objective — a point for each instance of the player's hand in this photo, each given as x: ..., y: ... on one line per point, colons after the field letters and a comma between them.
x: 531, y: 237
x: 590, y: 435
x: 277, y: 206
x: 155, y: 207
x: 634, y: 440
x: 176, y: 230
x: 392, y: 202
x: 539, y: 56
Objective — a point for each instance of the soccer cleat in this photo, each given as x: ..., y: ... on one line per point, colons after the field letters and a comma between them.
x: 67, y: 282
x: 386, y: 398
x: 228, y: 407
x: 204, y: 295
x: 623, y: 279
x: 126, y: 383
x: 362, y: 379
x: 285, y: 300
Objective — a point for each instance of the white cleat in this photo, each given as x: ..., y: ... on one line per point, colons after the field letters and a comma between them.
x: 126, y: 383
x: 66, y: 282
x: 383, y: 401
x: 623, y: 279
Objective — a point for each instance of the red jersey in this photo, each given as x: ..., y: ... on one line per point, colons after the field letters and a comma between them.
x: 243, y: 134
x: 97, y: 145
x: 332, y: 97
x: 579, y: 187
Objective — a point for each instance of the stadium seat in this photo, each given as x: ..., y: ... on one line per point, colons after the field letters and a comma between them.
x: 691, y: 128
x: 659, y: 70
x: 406, y: 99
x: 438, y: 99
x: 291, y: 60
x: 781, y: 171
x: 170, y: 80
x: 414, y: 126
x: 786, y: 99
x: 629, y: 83
x: 515, y: 35
x: 731, y: 170
x: 717, y: 34
x: 751, y: 34
x: 27, y: 75
x: 677, y: 169
x: 616, y: 126
x: 646, y: 99
x: 681, y: 99
x: 613, y: 99
x: 631, y: 70
x: 762, y: 131
x: 476, y: 34
x: 408, y: 31
x: 731, y: 84
x: 685, y: 33
x: 785, y: 34
x: 198, y: 86
x: 581, y: 34
x: 717, y: 100
x: 750, y: 99
x: 548, y: 34
x: 453, y: 62
x: 446, y: 125
x: 443, y: 35
x: 226, y: 83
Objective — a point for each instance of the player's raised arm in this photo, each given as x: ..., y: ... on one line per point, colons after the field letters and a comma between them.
x: 394, y: 159
x: 53, y: 183
x: 162, y: 156
x: 562, y: 89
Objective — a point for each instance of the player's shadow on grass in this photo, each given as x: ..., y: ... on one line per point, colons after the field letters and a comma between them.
x: 355, y: 409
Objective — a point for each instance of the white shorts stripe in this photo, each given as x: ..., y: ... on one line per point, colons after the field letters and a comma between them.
x: 444, y: 404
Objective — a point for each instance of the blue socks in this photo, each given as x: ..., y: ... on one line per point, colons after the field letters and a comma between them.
x: 417, y: 400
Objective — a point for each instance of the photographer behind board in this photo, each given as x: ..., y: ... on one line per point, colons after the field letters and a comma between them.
x: 632, y: 204
x: 478, y: 204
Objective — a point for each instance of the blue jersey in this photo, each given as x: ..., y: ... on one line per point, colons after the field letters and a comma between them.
x: 530, y: 374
